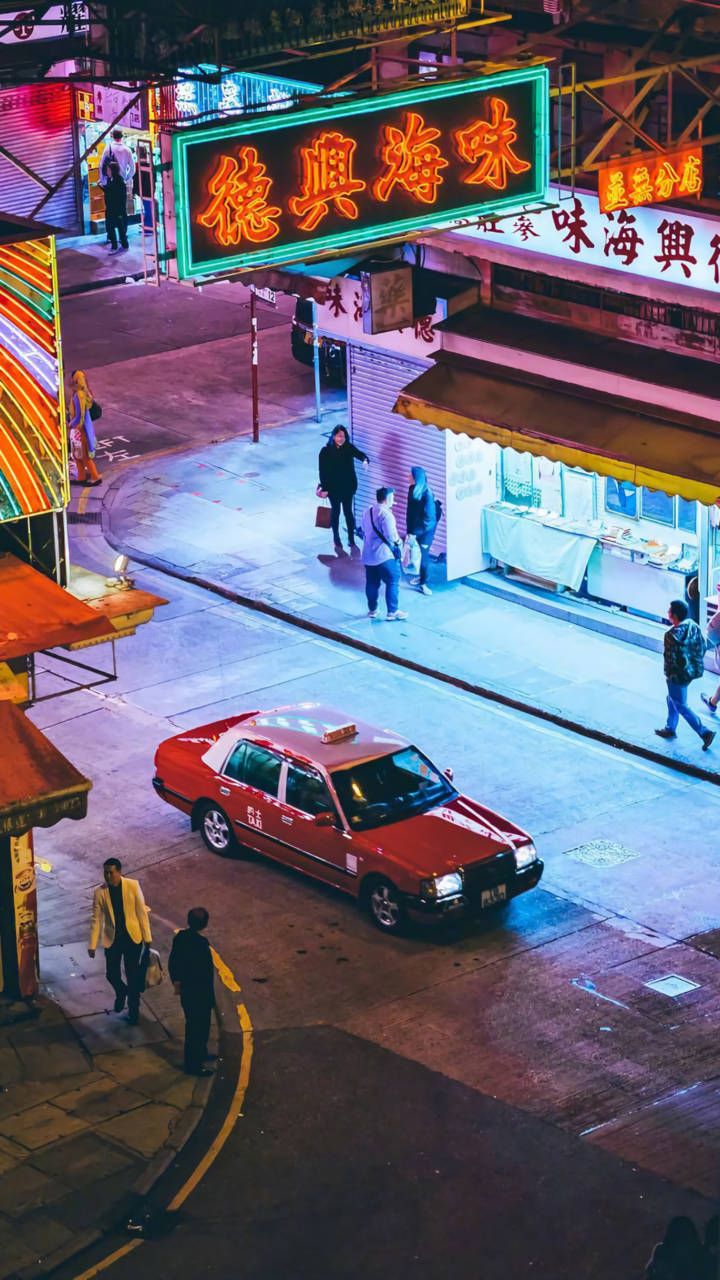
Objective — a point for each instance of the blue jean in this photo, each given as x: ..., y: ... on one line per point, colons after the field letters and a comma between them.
x: 677, y: 706
x: 375, y: 575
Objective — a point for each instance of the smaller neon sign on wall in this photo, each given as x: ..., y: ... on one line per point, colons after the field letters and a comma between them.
x: 650, y: 179
x: 275, y: 188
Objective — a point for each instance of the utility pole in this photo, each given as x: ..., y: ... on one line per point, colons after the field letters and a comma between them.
x: 316, y: 361
x: 254, y: 367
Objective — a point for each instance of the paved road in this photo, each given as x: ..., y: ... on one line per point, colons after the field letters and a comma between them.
x: 461, y: 1094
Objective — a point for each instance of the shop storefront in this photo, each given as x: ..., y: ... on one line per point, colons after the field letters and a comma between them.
x: 97, y: 107
x: 38, y: 150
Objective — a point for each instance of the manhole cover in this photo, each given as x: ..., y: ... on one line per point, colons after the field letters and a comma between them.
x: 672, y: 985
x: 602, y: 853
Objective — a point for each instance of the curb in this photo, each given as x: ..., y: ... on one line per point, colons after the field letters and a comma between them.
x: 407, y: 664
x: 107, y: 282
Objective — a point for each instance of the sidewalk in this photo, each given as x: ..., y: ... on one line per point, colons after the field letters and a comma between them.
x: 84, y: 262
x: 241, y: 517
x: 92, y: 1111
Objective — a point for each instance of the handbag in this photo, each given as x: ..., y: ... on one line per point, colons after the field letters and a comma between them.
x: 411, y: 554
x: 76, y: 444
x: 323, y: 517
x: 150, y: 970
x: 95, y: 411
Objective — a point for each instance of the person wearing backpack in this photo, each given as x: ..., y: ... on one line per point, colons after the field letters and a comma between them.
x: 423, y: 514
x: 684, y: 661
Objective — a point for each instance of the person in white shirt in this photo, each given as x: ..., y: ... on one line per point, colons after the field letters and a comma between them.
x: 121, y: 924
x: 119, y: 151
x: 381, y: 555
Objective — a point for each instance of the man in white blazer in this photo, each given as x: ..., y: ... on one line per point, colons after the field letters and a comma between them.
x: 120, y: 922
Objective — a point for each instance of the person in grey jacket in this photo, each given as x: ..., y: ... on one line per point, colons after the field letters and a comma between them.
x: 421, y: 522
x: 381, y: 555
x: 684, y: 660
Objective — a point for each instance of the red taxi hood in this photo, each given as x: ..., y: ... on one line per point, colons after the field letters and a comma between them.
x: 451, y: 836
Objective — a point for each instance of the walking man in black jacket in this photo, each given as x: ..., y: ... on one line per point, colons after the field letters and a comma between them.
x: 192, y: 975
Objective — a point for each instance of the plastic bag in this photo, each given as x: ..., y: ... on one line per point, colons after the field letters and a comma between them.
x: 411, y: 554
x: 151, y: 970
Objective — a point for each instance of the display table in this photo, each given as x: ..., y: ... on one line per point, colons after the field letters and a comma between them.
x: 617, y: 576
x: 542, y: 550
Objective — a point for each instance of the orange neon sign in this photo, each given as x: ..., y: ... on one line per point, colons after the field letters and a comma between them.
x: 413, y: 160
x: 625, y: 184
x: 239, y: 209
x: 327, y: 180
x: 489, y: 145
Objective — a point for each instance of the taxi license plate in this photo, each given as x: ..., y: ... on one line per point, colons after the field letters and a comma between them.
x: 490, y: 897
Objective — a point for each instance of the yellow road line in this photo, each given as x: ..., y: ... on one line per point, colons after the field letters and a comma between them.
x: 234, y: 1111
x: 83, y: 501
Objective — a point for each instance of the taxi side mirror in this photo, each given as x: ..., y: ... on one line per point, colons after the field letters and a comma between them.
x: 325, y: 820
x: 449, y: 774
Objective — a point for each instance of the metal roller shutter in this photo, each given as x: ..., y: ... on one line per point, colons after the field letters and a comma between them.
x: 392, y: 444
x: 36, y: 126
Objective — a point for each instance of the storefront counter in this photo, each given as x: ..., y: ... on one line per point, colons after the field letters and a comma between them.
x: 541, y: 548
x: 617, y: 576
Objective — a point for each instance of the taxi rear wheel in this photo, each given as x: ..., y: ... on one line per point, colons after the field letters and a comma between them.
x: 383, y: 903
x: 216, y: 829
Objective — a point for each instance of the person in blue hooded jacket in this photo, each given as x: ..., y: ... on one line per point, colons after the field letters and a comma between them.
x: 421, y: 521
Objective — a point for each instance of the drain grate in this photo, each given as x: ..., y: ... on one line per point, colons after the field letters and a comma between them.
x: 602, y: 853
x: 672, y: 985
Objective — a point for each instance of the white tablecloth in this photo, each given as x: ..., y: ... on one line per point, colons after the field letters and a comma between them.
x: 545, y: 552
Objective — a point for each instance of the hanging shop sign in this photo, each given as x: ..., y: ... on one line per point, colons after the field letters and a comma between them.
x: 387, y: 299
x: 650, y: 179
x: 200, y: 91
x: 109, y: 102
x: 33, y: 454
x: 51, y: 23
x: 286, y: 186
x: 666, y: 244
x: 309, y: 22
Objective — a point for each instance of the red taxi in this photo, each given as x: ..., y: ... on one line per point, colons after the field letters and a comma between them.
x: 350, y: 804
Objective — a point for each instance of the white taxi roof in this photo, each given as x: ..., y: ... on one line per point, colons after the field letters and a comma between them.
x: 299, y: 730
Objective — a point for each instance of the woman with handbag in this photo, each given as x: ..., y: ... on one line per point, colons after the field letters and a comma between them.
x: 421, y: 523
x: 338, y: 482
x: 80, y: 427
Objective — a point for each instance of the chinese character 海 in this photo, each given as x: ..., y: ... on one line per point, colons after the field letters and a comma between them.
x: 675, y: 243
x: 488, y: 144
x: 626, y: 240
x: 412, y: 159
x: 327, y: 179
x: 575, y: 223
x: 523, y: 227
x: 357, y: 306
x: 239, y: 209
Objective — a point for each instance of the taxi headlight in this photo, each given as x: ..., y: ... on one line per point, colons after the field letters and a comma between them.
x: 525, y: 855
x: 442, y: 886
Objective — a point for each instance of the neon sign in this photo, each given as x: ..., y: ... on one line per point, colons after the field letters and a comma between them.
x: 650, y: 179
x: 33, y: 454
x: 282, y: 187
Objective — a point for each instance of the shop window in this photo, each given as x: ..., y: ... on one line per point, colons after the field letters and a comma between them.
x: 658, y: 506
x: 579, y: 500
x: 621, y: 497
x: 687, y: 515
x: 517, y: 479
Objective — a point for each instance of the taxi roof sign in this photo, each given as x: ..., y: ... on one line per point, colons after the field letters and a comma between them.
x: 341, y: 734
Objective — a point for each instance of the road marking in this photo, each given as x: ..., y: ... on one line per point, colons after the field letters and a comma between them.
x: 83, y: 501
x: 234, y: 1112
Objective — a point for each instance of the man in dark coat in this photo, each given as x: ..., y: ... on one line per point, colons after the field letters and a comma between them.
x: 338, y: 482
x: 684, y: 658
x: 116, y: 208
x: 192, y: 975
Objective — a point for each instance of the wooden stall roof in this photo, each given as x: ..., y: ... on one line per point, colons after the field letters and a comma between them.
x: 36, y: 613
x: 38, y: 786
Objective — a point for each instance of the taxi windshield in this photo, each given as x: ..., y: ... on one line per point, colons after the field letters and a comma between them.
x: 390, y: 788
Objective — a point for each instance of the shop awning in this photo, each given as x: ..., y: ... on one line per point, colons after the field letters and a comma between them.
x: 36, y: 613
x: 38, y: 786
x: 583, y: 428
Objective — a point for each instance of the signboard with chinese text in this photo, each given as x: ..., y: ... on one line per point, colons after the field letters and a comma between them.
x: 387, y: 299
x: 340, y: 315
x: 650, y: 179
x: 283, y: 187
x: 25, y: 905
x: 109, y: 102
x: 52, y: 23
x: 670, y: 245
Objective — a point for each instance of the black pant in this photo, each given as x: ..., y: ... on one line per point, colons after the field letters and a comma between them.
x: 116, y: 224
x: 197, y: 1009
x: 124, y: 949
x: 425, y: 542
x: 344, y: 500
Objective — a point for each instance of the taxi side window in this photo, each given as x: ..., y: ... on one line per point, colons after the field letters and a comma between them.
x: 307, y: 791
x: 234, y: 767
x: 254, y: 766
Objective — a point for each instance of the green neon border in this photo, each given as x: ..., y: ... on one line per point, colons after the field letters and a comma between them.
x: 181, y: 142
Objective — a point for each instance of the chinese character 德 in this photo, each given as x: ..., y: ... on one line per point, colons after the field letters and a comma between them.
x: 488, y: 144
x: 615, y: 195
x: 523, y: 227
x: 665, y: 180
x: 691, y: 180
x: 641, y: 187
x: 413, y: 160
x: 575, y: 223
x: 675, y: 240
x: 626, y: 241
x: 327, y: 179
x: 239, y: 209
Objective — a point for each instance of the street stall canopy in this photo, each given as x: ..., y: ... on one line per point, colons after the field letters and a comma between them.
x: 661, y: 450
x: 38, y: 786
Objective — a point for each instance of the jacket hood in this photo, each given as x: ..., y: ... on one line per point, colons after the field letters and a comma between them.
x: 680, y: 632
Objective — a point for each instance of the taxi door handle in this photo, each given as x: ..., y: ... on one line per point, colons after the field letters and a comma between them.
x: 287, y: 820
x: 224, y: 791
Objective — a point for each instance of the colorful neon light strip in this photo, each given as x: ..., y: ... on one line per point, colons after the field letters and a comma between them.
x: 356, y: 235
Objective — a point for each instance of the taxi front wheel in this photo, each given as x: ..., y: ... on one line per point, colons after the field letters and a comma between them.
x: 383, y: 902
x: 216, y: 830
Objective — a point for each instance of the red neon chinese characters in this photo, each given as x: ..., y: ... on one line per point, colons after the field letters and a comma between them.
x: 488, y: 144
x: 327, y: 179
x: 413, y: 160
x: 239, y: 209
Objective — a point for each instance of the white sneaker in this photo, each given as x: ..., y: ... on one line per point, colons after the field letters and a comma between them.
x: 372, y: 613
x: 397, y: 616
x: 424, y: 589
